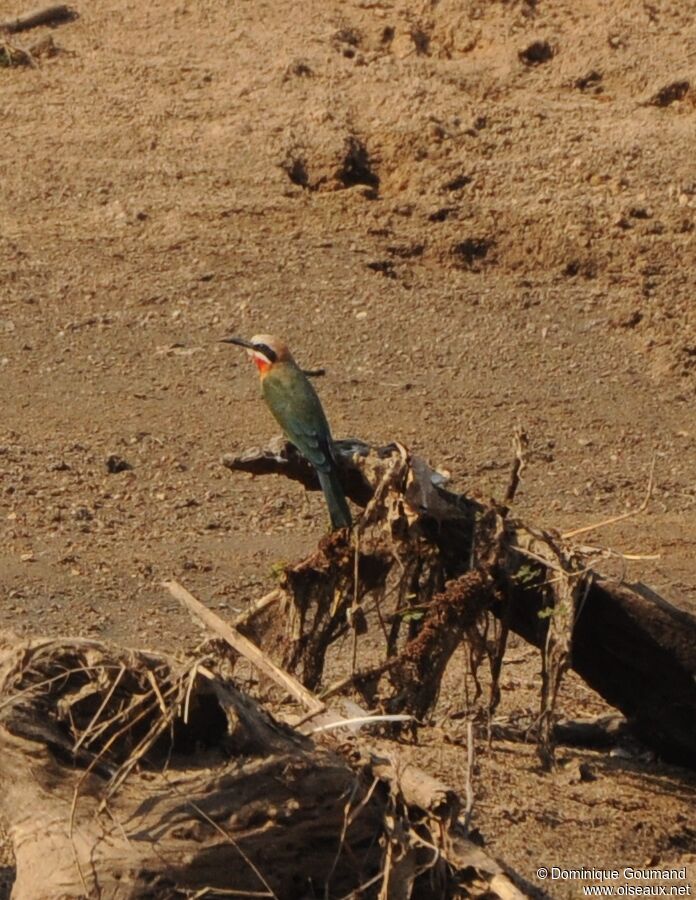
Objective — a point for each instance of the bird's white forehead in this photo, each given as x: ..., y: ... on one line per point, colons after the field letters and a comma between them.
x: 266, y: 339
x: 277, y: 347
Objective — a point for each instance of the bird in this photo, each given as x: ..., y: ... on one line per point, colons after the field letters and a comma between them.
x: 296, y: 407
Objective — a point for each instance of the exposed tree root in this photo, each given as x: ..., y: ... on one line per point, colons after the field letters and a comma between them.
x: 433, y: 566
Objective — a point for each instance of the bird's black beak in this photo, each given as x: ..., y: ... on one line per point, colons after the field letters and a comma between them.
x: 240, y: 342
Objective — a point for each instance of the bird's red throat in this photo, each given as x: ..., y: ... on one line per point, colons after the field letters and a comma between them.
x: 262, y: 364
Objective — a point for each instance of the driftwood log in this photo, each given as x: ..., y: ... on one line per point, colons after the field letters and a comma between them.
x: 129, y: 775
x: 460, y: 559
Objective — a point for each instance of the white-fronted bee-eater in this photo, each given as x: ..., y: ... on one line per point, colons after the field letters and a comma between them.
x: 296, y: 407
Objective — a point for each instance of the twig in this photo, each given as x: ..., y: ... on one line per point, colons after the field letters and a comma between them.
x: 98, y: 730
x: 620, y: 518
x: 519, y: 445
x: 191, y: 680
x: 349, y: 680
x: 364, y: 887
x: 236, y: 846
x: 102, y: 706
x: 155, y: 687
x: 633, y: 556
x: 469, y: 771
x: 47, y: 15
x: 12, y: 698
x: 144, y: 745
x: 349, y: 817
x: 207, y: 892
x: 609, y: 552
x: 356, y: 603
x: 362, y: 720
x: 245, y: 648
x: 530, y: 553
x: 501, y: 886
x: 344, y: 830
x: 256, y: 607
x: 83, y: 777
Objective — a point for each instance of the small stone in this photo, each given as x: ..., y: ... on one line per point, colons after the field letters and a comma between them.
x: 536, y: 53
x: 58, y: 465
x: 116, y: 464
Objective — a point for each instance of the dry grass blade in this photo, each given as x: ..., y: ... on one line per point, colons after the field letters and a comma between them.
x: 230, y: 840
x: 470, y: 757
x: 48, y: 682
x: 155, y: 687
x: 344, y: 830
x: 193, y: 671
x: 100, y: 710
x: 623, y: 516
x: 97, y: 731
x: 156, y: 730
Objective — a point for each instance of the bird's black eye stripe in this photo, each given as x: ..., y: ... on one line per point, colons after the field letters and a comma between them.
x: 267, y: 352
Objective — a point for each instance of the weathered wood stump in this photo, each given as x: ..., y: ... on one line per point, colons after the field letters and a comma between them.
x: 128, y: 775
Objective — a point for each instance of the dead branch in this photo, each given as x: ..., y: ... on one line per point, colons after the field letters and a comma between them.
x: 282, y: 458
x: 604, y: 731
x: 47, y: 15
x: 245, y: 647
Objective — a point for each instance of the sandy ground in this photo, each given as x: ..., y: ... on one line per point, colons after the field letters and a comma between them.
x: 473, y: 214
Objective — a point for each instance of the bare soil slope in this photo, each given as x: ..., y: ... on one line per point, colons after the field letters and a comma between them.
x: 474, y: 214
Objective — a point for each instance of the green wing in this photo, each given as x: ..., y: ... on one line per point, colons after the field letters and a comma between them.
x: 297, y: 408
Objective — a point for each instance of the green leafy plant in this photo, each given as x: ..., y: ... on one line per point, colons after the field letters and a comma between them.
x: 527, y: 574
x: 278, y: 569
x: 412, y: 615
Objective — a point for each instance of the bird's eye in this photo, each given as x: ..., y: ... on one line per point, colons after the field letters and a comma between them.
x: 267, y: 352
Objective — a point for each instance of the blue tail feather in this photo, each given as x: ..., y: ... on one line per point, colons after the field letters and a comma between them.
x: 335, y: 499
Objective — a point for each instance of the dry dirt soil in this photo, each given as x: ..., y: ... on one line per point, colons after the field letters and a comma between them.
x: 473, y: 213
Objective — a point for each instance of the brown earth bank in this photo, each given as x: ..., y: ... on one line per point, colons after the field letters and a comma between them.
x: 474, y: 214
